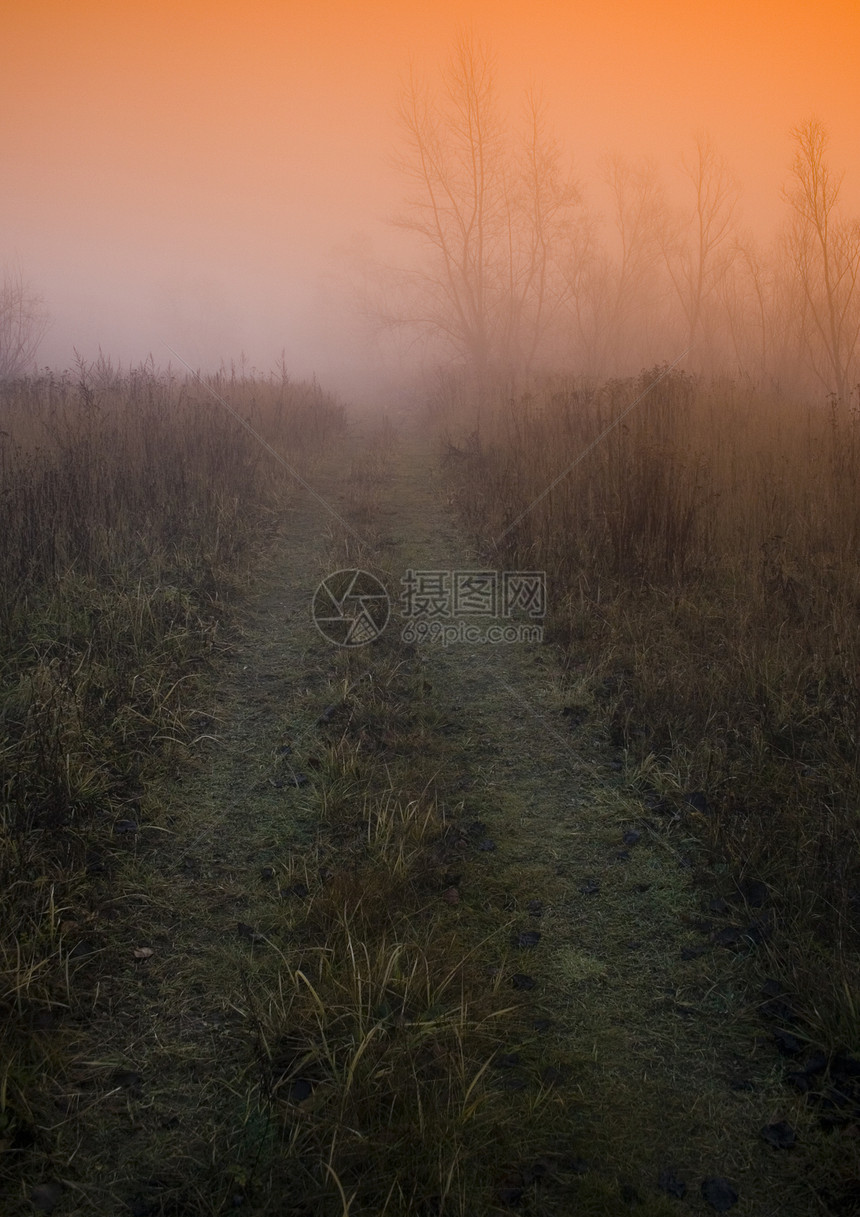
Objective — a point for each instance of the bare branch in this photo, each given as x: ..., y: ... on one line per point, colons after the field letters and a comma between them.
x: 23, y: 321
x: 825, y: 254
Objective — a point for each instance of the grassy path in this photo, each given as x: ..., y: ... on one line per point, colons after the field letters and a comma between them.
x: 309, y: 991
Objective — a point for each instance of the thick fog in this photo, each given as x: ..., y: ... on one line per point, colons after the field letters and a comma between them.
x: 220, y: 178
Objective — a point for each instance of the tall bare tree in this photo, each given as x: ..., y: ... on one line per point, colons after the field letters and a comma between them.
x: 747, y: 298
x: 825, y: 253
x: 23, y: 321
x: 698, y: 253
x: 544, y: 218
x: 490, y: 211
x: 633, y: 294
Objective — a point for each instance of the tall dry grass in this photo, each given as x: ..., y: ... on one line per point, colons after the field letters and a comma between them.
x: 130, y: 504
x: 704, y: 566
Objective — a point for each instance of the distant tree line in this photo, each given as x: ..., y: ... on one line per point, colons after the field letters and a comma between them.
x: 516, y: 272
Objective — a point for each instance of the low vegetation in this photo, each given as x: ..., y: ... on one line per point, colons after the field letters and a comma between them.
x: 349, y: 1051
x: 384, y: 1031
x: 702, y: 544
x: 255, y: 951
x: 130, y: 506
x: 383, y: 1039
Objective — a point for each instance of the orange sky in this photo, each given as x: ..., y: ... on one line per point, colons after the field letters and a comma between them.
x: 183, y: 172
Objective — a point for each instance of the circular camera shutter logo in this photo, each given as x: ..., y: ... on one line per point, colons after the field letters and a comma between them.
x: 351, y: 608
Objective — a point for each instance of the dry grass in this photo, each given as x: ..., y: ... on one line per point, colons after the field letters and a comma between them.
x: 356, y: 1043
x: 704, y: 565
x: 384, y: 1012
x: 379, y: 1035
x: 129, y: 507
x: 345, y: 1052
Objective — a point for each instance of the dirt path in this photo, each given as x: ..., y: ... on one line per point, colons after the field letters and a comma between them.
x: 667, y: 1069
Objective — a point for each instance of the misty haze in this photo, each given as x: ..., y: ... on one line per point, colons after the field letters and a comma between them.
x: 429, y: 591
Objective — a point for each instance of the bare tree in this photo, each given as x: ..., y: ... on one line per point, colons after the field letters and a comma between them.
x: 587, y: 298
x: 825, y: 254
x: 633, y: 292
x: 490, y: 211
x: 23, y: 321
x: 544, y: 218
x: 747, y: 295
x: 698, y: 255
